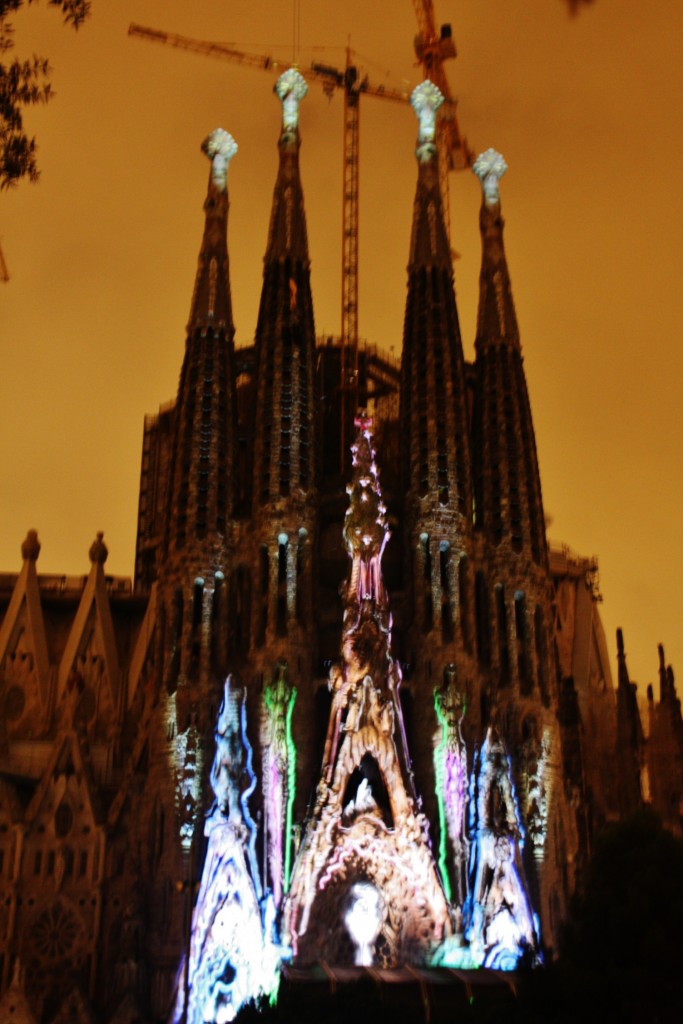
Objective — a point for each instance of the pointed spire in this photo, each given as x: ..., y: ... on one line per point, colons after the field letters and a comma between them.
x: 287, y: 235
x: 429, y: 246
x: 433, y: 393
x: 663, y: 677
x: 623, y: 678
x: 211, y: 301
x: 497, y: 321
x: 629, y: 734
x: 201, y: 493
x: 285, y: 333
x: 507, y: 481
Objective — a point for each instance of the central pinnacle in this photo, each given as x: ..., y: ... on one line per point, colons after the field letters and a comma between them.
x: 425, y: 101
x: 290, y: 88
x: 490, y: 167
x: 220, y: 147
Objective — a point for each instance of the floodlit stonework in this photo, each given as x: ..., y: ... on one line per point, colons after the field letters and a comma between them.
x: 328, y: 720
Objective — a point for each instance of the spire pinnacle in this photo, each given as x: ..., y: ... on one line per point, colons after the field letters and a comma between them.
x: 220, y: 147
x: 290, y: 89
x: 490, y: 167
x: 425, y: 100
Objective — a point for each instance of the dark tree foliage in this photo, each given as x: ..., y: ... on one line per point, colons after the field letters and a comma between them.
x: 621, y: 953
x: 24, y: 83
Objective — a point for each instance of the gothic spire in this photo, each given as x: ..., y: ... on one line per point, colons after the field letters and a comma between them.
x: 285, y: 333
x: 509, y: 505
x: 200, y: 482
x: 433, y: 402
x: 211, y: 301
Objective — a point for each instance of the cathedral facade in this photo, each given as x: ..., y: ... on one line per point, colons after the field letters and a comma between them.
x: 352, y: 708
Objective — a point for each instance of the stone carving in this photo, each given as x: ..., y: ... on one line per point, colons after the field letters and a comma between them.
x: 490, y: 167
x: 233, y: 953
x: 290, y: 88
x: 220, y: 147
x: 366, y: 836
x: 425, y: 100
x: 501, y: 922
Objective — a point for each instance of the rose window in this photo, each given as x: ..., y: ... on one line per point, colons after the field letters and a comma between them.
x: 56, y: 932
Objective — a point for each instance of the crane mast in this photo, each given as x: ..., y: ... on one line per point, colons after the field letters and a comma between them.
x: 432, y: 49
x: 353, y: 84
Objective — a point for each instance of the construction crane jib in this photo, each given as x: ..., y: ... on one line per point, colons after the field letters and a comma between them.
x: 353, y: 84
x: 432, y: 50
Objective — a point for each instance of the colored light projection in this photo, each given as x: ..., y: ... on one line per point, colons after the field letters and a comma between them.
x: 234, y: 956
x: 501, y: 924
x: 450, y: 772
x: 365, y: 889
x: 279, y: 779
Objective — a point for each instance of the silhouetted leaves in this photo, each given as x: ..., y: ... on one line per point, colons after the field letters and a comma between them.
x: 24, y: 83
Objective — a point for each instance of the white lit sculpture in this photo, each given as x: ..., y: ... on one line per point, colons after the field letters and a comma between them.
x: 233, y: 956
x: 490, y: 167
x: 290, y: 88
x: 425, y: 100
x: 220, y: 147
x: 502, y: 926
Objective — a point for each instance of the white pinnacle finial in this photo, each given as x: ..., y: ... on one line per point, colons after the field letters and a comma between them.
x: 220, y: 147
x: 290, y: 88
x: 425, y: 101
x: 490, y: 167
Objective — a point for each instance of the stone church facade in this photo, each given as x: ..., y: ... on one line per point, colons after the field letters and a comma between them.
x: 347, y: 645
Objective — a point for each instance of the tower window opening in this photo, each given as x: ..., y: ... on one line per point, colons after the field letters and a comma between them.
x: 483, y: 621
x: 522, y: 640
x: 464, y: 598
x: 502, y: 623
x: 197, y: 601
x: 541, y: 652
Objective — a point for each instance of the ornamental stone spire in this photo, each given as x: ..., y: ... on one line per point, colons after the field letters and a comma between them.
x: 211, y: 301
x: 435, y: 455
x: 365, y: 870
x: 285, y: 332
x: 507, y: 481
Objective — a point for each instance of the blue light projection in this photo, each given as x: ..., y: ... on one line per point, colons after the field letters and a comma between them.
x: 234, y: 956
x: 501, y: 925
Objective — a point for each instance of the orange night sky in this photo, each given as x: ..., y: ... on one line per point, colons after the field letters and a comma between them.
x: 102, y: 253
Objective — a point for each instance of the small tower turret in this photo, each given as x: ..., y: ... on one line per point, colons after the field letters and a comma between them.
x: 630, y: 740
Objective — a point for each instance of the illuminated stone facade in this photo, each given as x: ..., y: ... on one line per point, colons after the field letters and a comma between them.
x: 375, y: 727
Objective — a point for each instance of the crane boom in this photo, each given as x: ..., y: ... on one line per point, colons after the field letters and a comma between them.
x: 353, y: 85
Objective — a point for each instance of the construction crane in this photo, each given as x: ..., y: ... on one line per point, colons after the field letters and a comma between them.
x: 353, y: 85
x: 432, y: 49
